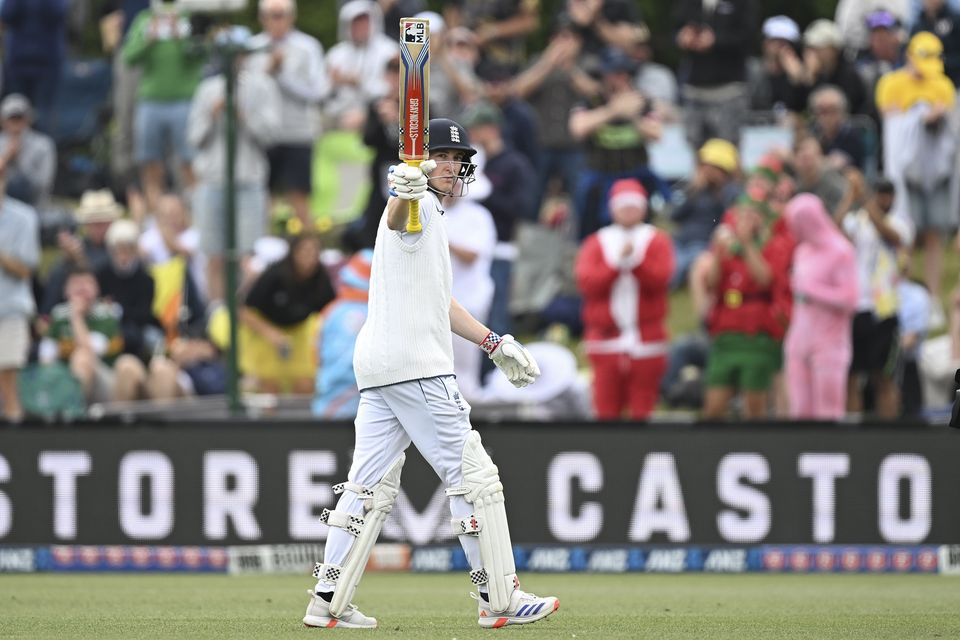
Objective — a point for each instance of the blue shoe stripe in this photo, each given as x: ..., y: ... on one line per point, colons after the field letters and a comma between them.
x: 522, y: 609
x: 535, y: 611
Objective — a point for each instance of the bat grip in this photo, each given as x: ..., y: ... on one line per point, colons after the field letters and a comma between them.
x: 413, y: 222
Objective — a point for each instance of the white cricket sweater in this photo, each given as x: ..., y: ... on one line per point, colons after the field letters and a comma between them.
x: 407, y: 332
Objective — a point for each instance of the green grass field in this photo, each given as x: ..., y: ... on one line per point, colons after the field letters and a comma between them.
x: 752, y: 607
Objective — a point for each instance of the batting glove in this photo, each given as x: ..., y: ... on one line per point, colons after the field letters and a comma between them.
x: 408, y: 182
x: 512, y: 358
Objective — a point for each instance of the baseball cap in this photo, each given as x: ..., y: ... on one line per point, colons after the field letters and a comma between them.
x: 13, y: 105
x: 823, y: 33
x: 881, y: 19
x: 925, y: 52
x: 627, y: 192
x: 781, y: 28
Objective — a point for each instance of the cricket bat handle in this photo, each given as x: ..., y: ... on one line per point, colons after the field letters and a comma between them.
x: 413, y: 222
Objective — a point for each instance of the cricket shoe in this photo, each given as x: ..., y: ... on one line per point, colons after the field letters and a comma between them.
x: 524, y: 608
x: 318, y: 615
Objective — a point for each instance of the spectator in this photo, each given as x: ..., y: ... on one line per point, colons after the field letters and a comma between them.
x: 96, y: 212
x: 158, y: 43
x: 944, y: 22
x: 883, y: 54
x: 116, y: 19
x: 824, y: 281
x: 473, y: 239
x: 457, y: 62
x: 747, y: 318
x: 815, y: 175
x: 380, y: 134
x: 258, y: 123
x: 35, y: 47
x: 841, y: 143
x: 777, y: 78
x: 614, y: 127
x: 171, y: 237
x: 711, y: 192
x: 920, y: 149
x: 824, y: 63
x: 851, y: 17
x: 554, y: 83
x: 652, y: 79
x: 356, y: 63
x: 279, y: 316
x: 877, y: 235
x: 295, y: 61
x: 19, y: 257
x: 715, y: 40
x: 623, y: 271
x: 502, y: 27
x: 125, y: 281
x: 913, y: 314
x: 510, y: 199
x: 518, y: 124
x: 28, y: 156
x: 939, y: 361
x: 85, y: 332
x: 604, y: 23
x: 394, y: 10
x: 336, y: 395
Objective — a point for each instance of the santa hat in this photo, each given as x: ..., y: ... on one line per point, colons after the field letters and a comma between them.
x: 627, y: 192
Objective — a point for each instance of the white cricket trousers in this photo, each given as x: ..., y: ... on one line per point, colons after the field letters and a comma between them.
x: 433, y: 415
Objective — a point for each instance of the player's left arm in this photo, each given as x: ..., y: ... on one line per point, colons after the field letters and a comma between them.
x: 511, y: 357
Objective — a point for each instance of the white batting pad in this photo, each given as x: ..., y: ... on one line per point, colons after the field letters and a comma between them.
x: 482, y: 488
x: 377, y: 504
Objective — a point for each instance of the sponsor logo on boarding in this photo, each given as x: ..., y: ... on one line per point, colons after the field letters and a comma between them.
x: 876, y: 560
x: 726, y: 561
x: 608, y: 560
x: 549, y: 559
x: 217, y: 557
x: 850, y: 560
x: 192, y: 557
x: 141, y: 556
x: 949, y: 559
x: 927, y: 559
x: 116, y: 555
x: 666, y: 560
x: 826, y: 560
x: 90, y: 556
x: 63, y: 554
x: 902, y: 560
x: 774, y: 559
x: 17, y: 560
x: 167, y: 557
x: 431, y: 559
x: 800, y: 560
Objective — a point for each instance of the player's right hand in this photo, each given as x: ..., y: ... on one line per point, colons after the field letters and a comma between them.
x: 409, y: 182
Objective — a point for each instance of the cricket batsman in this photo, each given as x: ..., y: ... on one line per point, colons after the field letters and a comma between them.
x: 404, y: 367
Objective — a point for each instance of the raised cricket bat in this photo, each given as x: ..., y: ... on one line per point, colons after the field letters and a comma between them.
x: 414, y: 100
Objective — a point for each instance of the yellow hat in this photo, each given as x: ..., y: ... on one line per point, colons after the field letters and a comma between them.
x: 925, y: 53
x: 719, y: 153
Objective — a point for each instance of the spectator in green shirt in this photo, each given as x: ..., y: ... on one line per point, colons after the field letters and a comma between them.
x: 158, y: 42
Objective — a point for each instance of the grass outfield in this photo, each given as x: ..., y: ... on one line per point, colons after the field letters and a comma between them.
x: 752, y: 607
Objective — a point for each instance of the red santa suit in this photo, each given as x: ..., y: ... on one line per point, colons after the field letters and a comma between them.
x: 624, y: 310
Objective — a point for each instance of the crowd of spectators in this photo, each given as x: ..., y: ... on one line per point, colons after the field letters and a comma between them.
x: 823, y: 157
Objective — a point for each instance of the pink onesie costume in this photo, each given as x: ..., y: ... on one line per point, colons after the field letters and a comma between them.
x: 818, y: 343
